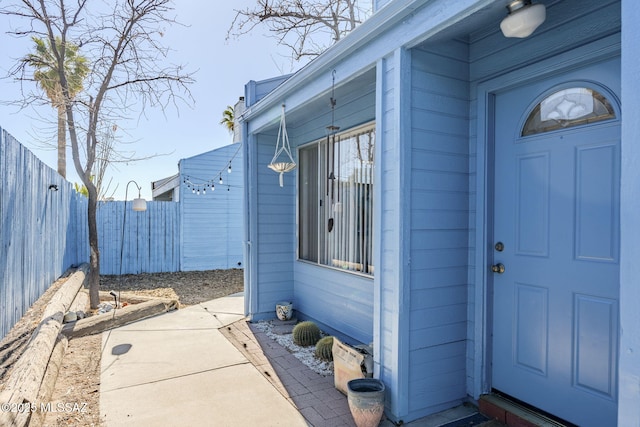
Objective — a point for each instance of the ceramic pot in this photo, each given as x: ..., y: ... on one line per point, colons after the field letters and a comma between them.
x: 366, y: 401
x: 284, y: 310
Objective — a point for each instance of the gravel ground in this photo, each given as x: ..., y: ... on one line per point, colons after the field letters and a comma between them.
x: 307, y: 355
x: 189, y: 288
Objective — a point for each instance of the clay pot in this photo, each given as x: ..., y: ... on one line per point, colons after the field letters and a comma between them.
x: 366, y: 401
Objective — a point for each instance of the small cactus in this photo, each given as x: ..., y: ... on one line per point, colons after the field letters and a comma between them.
x: 306, y: 334
x: 324, y: 349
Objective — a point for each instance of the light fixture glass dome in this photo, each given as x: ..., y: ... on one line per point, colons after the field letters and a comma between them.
x: 523, y: 18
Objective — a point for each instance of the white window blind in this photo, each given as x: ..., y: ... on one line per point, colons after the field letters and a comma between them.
x: 335, y: 212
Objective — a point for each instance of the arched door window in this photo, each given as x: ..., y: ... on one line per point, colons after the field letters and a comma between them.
x: 566, y: 108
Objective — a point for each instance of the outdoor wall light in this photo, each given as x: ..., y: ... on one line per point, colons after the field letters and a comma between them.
x: 523, y: 18
x: 139, y: 204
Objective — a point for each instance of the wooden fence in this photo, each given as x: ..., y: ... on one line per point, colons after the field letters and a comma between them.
x: 43, y: 232
x: 38, y: 235
x: 151, y: 238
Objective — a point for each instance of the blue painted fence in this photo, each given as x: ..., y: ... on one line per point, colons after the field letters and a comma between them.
x: 44, y: 232
x: 151, y: 238
x: 39, y: 237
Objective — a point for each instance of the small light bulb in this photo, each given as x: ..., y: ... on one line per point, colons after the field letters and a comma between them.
x: 204, y: 191
x: 220, y: 181
x: 193, y: 190
x: 198, y: 192
x: 229, y: 169
x: 213, y: 187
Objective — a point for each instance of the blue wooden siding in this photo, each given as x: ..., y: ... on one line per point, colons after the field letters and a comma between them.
x: 38, y: 233
x: 211, y: 223
x: 151, y: 238
x: 629, y: 371
x: 390, y: 337
x: 255, y: 91
x: 378, y: 4
x: 439, y: 225
x: 275, y: 231
x: 340, y: 301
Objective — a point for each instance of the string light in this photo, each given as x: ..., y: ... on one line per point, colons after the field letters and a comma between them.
x: 197, y: 185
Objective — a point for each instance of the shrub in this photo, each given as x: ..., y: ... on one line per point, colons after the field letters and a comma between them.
x: 306, y: 333
x: 324, y: 349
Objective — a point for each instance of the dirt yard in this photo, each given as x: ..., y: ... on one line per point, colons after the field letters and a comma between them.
x: 79, y: 377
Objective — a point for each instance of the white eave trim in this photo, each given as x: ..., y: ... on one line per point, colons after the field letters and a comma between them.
x: 383, y: 20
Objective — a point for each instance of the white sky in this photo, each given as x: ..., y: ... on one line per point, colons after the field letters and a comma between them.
x: 224, y: 67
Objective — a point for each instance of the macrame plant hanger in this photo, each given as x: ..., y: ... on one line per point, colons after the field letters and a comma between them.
x: 281, y: 163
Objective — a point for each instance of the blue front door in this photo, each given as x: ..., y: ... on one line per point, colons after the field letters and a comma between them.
x: 555, y: 269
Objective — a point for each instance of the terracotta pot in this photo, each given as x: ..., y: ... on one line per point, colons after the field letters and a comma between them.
x: 284, y: 310
x: 366, y: 401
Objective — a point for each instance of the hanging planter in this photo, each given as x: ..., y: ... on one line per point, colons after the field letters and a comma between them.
x: 282, y: 159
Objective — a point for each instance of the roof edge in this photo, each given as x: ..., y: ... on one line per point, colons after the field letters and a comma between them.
x: 380, y: 21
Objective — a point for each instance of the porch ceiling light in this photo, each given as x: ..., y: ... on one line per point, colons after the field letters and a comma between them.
x: 523, y: 18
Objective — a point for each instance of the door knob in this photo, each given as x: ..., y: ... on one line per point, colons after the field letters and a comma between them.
x: 497, y: 268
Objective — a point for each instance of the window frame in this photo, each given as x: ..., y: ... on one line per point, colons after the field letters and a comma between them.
x: 319, y: 144
x: 606, y: 95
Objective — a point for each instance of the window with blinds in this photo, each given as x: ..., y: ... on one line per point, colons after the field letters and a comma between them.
x: 335, y: 201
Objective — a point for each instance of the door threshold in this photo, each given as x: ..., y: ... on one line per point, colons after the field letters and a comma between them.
x: 512, y: 413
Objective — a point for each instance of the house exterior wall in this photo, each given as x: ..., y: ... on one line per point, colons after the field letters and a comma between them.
x: 430, y: 299
x: 439, y: 209
x: 629, y: 365
x: 211, y: 223
x: 391, y: 305
x: 271, y: 235
x: 377, y: 4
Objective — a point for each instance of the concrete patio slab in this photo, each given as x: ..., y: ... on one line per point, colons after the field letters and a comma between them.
x: 178, y: 369
x: 229, y: 396
x: 162, y: 354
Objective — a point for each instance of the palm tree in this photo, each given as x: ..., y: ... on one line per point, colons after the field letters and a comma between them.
x: 227, y: 118
x: 47, y: 76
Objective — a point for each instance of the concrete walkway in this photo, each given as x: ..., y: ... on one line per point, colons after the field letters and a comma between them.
x: 177, y: 369
x: 206, y: 366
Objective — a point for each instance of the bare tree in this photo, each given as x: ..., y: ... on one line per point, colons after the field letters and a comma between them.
x: 128, y: 70
x: 307, y: 27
